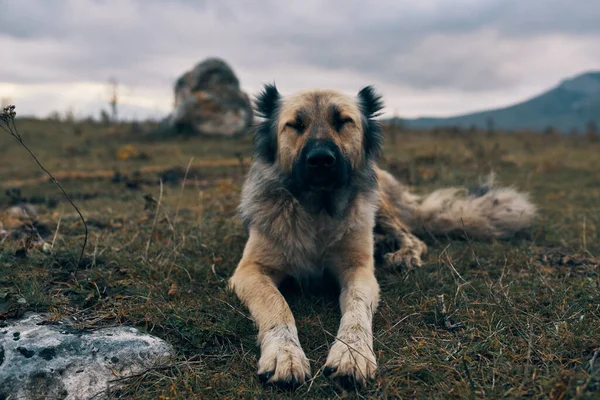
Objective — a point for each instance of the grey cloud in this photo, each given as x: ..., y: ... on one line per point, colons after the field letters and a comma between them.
x: 150, y: 42
x: 388, y: 45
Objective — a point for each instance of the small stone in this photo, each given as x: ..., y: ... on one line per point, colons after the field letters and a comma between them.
x: 47, y: 248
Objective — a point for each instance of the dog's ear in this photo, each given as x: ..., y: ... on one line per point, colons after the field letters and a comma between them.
x: 265, y: 138
x: 371, y: 104
x: 267, y: 101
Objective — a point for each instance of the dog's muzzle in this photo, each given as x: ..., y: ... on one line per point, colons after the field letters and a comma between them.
x: 322, y: 165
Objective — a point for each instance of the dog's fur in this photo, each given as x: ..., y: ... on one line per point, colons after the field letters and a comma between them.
x: 302, y: 224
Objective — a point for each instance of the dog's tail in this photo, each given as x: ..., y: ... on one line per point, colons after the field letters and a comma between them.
x: 485, y: 211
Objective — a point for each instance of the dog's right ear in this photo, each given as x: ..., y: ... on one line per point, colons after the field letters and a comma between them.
x: 267, y: 101
x: 265, y: 138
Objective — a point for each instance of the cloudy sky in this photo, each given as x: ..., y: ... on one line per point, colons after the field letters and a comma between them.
x: 427, y: 57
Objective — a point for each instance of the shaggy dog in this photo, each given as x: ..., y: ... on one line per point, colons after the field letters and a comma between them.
x: 315, y: 201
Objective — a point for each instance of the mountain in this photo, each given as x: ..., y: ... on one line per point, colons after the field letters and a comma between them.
x: 572, y: 104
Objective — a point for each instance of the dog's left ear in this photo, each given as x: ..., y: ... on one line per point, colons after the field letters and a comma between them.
x: 370, y: 105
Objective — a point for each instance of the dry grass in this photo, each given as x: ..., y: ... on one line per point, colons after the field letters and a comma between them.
x: 518, y: 318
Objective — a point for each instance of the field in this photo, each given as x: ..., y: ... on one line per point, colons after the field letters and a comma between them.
x: 522, y: 316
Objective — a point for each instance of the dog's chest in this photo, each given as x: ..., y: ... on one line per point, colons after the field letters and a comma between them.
x: 306, y: 249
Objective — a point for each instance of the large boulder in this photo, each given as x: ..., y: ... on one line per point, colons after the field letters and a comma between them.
x: 42, y: 359
x: 209, y: 101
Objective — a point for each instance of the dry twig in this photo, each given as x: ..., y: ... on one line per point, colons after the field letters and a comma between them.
x: 442, y: 305
x: 7, y: 122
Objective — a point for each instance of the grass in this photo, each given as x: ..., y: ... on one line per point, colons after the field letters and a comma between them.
x: 527, y: 311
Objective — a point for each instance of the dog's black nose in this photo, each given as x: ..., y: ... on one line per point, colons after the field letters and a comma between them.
x: 321, y: 158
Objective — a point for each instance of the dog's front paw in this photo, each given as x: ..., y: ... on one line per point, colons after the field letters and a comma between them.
x: 409, y: 256
x: 350, y: 363
x: 283, y: 362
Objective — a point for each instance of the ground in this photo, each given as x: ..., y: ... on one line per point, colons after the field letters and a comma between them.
x: 519, y: 317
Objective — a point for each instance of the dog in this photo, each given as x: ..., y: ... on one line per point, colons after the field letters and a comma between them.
x: 315, y: 201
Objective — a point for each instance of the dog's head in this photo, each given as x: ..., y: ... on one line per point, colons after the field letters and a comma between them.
x: 319, y: 138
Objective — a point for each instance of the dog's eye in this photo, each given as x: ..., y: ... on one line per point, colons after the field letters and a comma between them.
x: 339, y: 121
x: 345, y: 121
x: 298, y: 125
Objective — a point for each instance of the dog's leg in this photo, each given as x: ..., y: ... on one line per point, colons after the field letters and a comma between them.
x: 351, y: 359
x: 398, y: 245
x: 282, y: 360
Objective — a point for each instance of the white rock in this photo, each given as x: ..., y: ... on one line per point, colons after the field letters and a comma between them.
x: 42, y: 359
x: 47, y: 248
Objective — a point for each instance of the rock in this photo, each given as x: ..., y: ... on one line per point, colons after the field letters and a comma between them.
x: 209, y: 101
x: 23, y: 211
x: 40, y: 359
x: 47, y: 248
x: 17, y: 216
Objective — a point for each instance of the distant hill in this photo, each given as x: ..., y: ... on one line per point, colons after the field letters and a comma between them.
x: 570, y: 105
